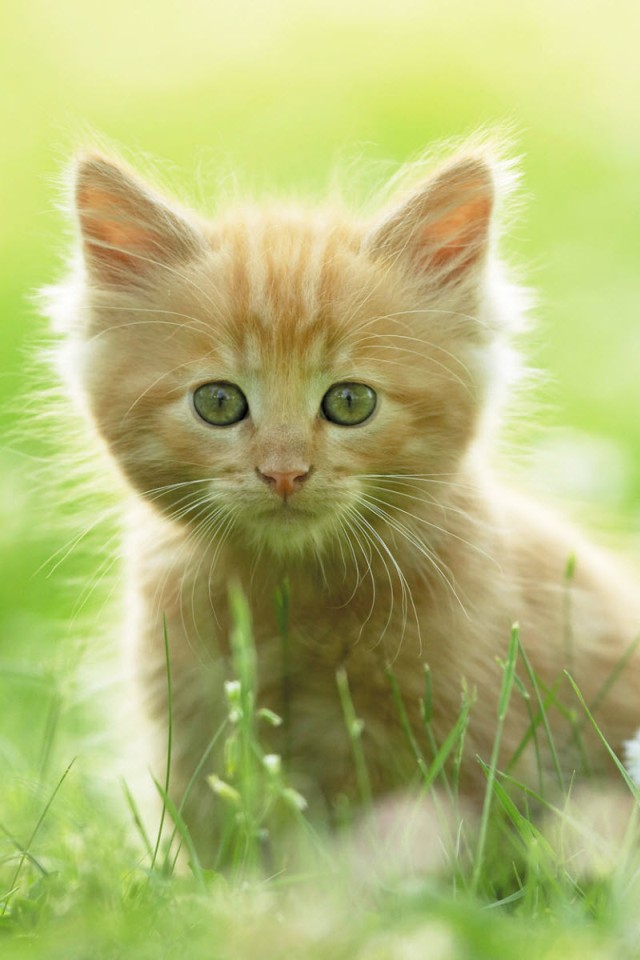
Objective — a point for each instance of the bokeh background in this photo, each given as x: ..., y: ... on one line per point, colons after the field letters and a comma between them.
x: 280, y: 92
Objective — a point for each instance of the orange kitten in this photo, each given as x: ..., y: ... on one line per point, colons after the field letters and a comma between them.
x: 304, y: 394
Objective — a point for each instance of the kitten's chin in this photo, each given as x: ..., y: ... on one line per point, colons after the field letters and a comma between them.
x: 288, y: 531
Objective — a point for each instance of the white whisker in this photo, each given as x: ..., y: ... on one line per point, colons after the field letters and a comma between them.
x: 366, y: 531
x: 434, y: 562
x: 435, y: 526
x: 349, y: 521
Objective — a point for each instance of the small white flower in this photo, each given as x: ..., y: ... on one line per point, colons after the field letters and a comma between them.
x: 632, y: 757
x: 272, y: 763
x: 233, y: 693
x: 232, y: 689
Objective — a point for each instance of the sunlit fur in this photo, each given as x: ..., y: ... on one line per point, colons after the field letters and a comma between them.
x: 401, y: 547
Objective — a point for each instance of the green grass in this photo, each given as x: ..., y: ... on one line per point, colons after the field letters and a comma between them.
x: 83, y: 875
x: 276, y: 94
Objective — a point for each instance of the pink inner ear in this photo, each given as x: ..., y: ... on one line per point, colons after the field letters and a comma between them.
x: 109, y: 235
x: 443, y: 229
x: 457, y: 239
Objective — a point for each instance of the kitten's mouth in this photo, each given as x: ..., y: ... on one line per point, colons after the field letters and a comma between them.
x: 287, y: 528
x: 287, y: 512
x: 285, y: 515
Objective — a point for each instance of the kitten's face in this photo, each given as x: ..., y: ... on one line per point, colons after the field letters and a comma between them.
x: 270, y: 376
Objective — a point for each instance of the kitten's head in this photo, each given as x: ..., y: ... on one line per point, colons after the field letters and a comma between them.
x: 278, y: 372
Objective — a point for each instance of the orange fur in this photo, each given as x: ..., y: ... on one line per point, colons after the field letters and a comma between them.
x: 401, y: 547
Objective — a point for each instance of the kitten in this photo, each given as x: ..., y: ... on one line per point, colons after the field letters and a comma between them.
x: 306, y: 394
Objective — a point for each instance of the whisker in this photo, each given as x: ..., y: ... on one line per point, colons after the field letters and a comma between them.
x: 182, y: 558
x: 354, y: 521
x: 63, y: 552
x: 150, y: 387
x: 435, y: 526
x: 434, y: 562
x: 98, y: 576
x: 366, y: 531
x: 222, y: 533
x: 195, y: 323
x: 131, y: 254
x: 441, y: 478
x: 359, y: 580
x: 338, y: 542
x: 404, y: 585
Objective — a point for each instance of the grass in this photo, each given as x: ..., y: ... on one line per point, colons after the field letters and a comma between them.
x: 82, y: 875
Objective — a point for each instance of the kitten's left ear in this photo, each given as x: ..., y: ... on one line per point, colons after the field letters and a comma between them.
x: 127, y: 230
x: 442, y: 231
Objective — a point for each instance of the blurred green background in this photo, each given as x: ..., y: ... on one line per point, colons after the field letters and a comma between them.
x: 281, y: 91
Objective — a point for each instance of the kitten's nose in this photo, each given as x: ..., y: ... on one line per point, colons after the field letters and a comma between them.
x: 284, y: 482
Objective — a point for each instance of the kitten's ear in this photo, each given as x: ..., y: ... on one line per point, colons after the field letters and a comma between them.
x: 127, y: 231
x: 442, y: 231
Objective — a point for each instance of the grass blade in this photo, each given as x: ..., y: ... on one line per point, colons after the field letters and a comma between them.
x: 405, y: 724
x: 165, y: 792
x: 635, y: 790
x: 503, y: 706
x: 183, y: 830
x: 35, y: 831
x: 137, y: 819
x: 541, y: 716
x: 354, y: 730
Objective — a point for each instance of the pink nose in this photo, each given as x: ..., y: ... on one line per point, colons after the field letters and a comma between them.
x: 284, y: 482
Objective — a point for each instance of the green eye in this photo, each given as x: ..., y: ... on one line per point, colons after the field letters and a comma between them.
x: 348, y: 403
x: 220, y: 403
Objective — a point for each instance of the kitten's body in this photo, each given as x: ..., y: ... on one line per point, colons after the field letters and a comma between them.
x: 399, y: 545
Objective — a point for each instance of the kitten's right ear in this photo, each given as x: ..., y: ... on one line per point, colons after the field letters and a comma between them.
x: 127, y: 231
x: 441, y: 232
